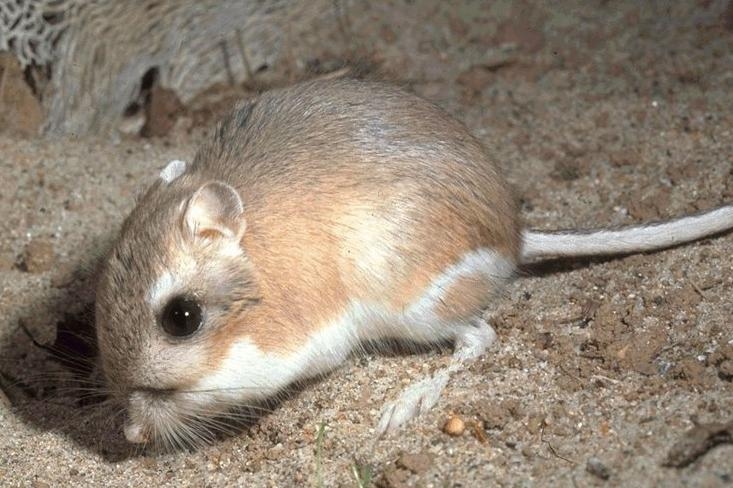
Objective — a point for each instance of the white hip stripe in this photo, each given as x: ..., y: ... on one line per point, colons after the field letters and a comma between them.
x: 256, y: 373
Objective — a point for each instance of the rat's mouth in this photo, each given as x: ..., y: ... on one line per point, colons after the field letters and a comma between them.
x: 149, y: 412
x: 135, y: 433
x: 168, y: 418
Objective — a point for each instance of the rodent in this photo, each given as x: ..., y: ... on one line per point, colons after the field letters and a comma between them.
x: 316, y: 217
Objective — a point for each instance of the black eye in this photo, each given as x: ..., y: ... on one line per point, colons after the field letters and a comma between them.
x: 181, y: 317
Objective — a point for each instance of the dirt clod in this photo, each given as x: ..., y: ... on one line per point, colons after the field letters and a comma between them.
x: 20, y: 111
x: 38, y: 256
x: 163, y: 110
x: 417, y: 463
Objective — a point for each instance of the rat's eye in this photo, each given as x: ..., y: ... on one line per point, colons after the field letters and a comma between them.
x: 181, y: 317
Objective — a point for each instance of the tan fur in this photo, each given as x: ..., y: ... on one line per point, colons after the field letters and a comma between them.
x: 351, y: 191
x: 304, y: 223
x: 465, y: 299
x: 308, y: 271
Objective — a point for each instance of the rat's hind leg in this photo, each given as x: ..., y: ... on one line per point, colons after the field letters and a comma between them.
x: 450, y: 308
x: 470, y: 343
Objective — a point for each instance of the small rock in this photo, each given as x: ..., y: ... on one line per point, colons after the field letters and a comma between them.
x: 38, y: 256
x: 454, y: 426
x: 535, y: 423
x: 725, y: 370
x: 527, y: 452
x: 595, y: 467
x: 543, y: 340
x: 417, y: 463
x: 394, y: 478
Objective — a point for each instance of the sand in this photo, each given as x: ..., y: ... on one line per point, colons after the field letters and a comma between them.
x: 599, y: 113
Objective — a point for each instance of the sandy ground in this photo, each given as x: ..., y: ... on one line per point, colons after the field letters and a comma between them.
x: 600, y: 113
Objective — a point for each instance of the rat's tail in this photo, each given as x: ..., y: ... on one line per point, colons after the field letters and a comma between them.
x: 540, y: 246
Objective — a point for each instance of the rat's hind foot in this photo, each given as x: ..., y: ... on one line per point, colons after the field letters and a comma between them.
x: 415, y: 400
x: 421, y: 396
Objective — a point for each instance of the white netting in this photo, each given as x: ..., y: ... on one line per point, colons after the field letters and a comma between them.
x: 30, y: 28
x: 99, y: 50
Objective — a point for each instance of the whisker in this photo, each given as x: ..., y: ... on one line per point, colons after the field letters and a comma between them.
x: 235, y: 404
x: 62, y: 354
x: 232, y: 388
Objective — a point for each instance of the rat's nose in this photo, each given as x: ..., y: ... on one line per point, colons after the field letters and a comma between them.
x: 134, y: 428
x: 135, y: 433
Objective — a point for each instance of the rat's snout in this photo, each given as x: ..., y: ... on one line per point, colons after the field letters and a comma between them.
x: 135, y: 433
x: 141, y: 411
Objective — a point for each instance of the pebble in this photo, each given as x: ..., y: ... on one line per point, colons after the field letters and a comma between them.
x: 535, y: 423
x: 595, y: 467
x: 726, y: 369
x: 454, y: 426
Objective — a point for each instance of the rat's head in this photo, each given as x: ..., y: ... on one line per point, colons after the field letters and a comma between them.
x: 170, y: 291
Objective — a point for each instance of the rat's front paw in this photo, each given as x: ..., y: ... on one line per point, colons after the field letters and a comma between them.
x: 417, y: 399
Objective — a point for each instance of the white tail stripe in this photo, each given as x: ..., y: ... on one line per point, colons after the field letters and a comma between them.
x: 639, y: 238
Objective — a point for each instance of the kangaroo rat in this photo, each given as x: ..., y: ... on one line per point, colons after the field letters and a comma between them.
x: 316, y: 217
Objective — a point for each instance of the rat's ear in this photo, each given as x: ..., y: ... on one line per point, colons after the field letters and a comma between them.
x: 215, y: 211
x: 173, y: 170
